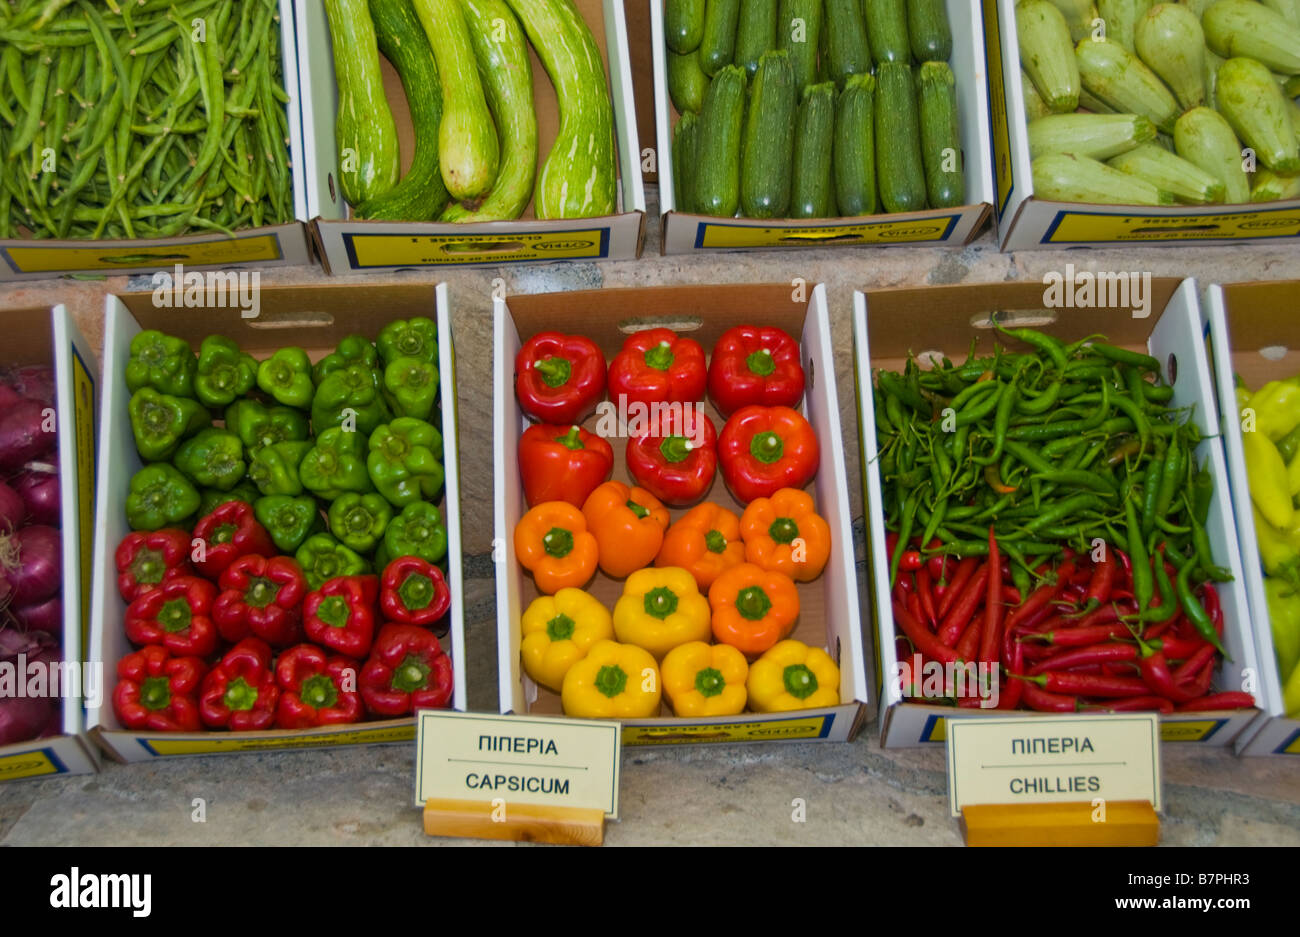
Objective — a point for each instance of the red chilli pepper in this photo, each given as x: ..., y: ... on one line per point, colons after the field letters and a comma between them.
x: 924, y: 589
x: 965, y: 570
x: 959, y: 615
x: 1042, y: 701
x: 1012, y: 689
x: 991, y: 636
x: 1055, y: 681
x: 1218, y: 701
x: 969, y: 645
x: 1133, y: 704
x: 1157, y: 675
x: 1092, y: 654
x: 921, y: 637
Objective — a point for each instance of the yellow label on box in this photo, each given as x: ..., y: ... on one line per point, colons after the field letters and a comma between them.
x: 1292, y: 747
x: 27, y: 765
x: 714, y: 235
x: 544, y: 760
x: 240, y: 250
x: 801, y: 727
x: 1053, y: 759
x: 1197, y: 731
x: 1090, y: 227
x: 936, y: 730
x: 234, y: 742
x: 83, y: 402
x: 405, y: 250
x: 997, y: 104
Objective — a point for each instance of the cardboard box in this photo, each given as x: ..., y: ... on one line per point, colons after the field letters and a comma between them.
x: 49, y: 337
x: 349, y: 245
x: 950, y: 227
x: 1243, y: 320
x: 1025, y: 222
x: 885, y: 331
x: 268, y: 246
x: 314, y: 318
x: 828, y: 606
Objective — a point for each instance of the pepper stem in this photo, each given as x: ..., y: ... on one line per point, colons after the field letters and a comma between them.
x: 660, y: 357
x: 783, y: 530
x: 410, y: 675
x: 240, y: 696
x: 715, y: 541
x: 800, y: 682
x: 555, y: 372
x: 611, y: 681
x: 155, y: 693
x: 319, y: 692
x: 558, y: 542
x: 571, y: 440
x: 638, y: 509
x: 333, y: 611
x: 760, y: 362
x: 660, y: 602
x: 148, y: 566
x: 752, y: 603
x: 560, y: 628
x: 416, y: 591
x: 767, y: 447
x: 175, y: 616
x: 710, y: 682
x: 675, y: 449
x: 261, y: 592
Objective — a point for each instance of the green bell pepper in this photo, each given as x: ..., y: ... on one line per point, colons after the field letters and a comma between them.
x: 359, y: 520
x: 352, y: 349
x: 286, y: 376
x: 409, y: 338
x: 260, y: 426
x: 274, y: 469
x: 160, y: 497
x: 288, y: 520
x: 214, y: 458
x: 212, y: 498
x: 162, y: 362
x: 417, y: 531
x: 336, y: 465
x: 351, y: 391
x: 160, y: 422
x: 412, y: 387
x: 405, y: 461
x: 322, y: 558
x: 224, y: 372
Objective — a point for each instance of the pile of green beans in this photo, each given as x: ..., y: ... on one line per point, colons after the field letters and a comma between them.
x: 141, y: 118
x: 1057, y: 447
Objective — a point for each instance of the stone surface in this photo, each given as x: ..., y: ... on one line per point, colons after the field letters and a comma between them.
x: 853, y: 793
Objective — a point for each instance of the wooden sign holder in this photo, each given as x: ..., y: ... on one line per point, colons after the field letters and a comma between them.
x: 530, y: 823
x: 1127, y: 823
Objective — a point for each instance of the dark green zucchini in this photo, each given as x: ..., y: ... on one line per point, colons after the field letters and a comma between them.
x: 945, y: 179
x: 899, y: 167
x: 812, y: 191
x: 717, y: 163
x: 768, y: 154
x: 755, y: 33
x: 855, y: 156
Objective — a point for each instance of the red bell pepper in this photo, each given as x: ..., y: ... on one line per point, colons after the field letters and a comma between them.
x: 147, y: 558
x: 315, y: 689
x: 229, y: 532
x: 413, y: 592
x: 176, y: 615
x: 676, y: 460
x: 764, y: 449
x: 558, y: 463
x: 157, y: 691
x: 340, y: 615
x: 559, y: 378
x: 407, y: 670
x: 263, y: 598
x: 240, y: 692
x: 657, y: 366
x: 752, y: 365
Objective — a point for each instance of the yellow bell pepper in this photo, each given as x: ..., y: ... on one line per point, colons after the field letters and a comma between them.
x: 793, y: 675
x: 705, y: 679
x: 661, y: 608
x: 614, y: 681
x: 1266, y: 475
x: 558, y: 630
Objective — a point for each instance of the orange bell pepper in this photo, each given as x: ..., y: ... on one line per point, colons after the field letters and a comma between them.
x: 553, y: 543
x: 785, y: 533
x: 628, y: 524
x: 753, y: 608
x: 704, y: 542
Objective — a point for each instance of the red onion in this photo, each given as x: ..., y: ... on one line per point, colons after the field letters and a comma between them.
x: 8, y: 396
x: 12, y: 508
x: 35, y: 381
x: 23, y: 435
x: 39, y: 490
x: 23, y: 718
x: 44, y: 616
x: 33, y: 562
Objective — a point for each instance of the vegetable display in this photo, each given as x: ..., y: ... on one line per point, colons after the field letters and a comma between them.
x: 142, y: 121
x: 31, y: 557
x: 1178, y: 103
x: 1271, y: 439
x: 813, y: 108
x: 465, y: 70
x: 701, y: 592
x: 1046, y: 512
x: 318, y: 528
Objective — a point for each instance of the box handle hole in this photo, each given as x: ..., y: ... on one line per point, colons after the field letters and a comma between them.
x: 1273, y: 352
x: 1171, y: 369
x: 292, y: 320
x: 1014, y: 318
x: 641, y: 323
